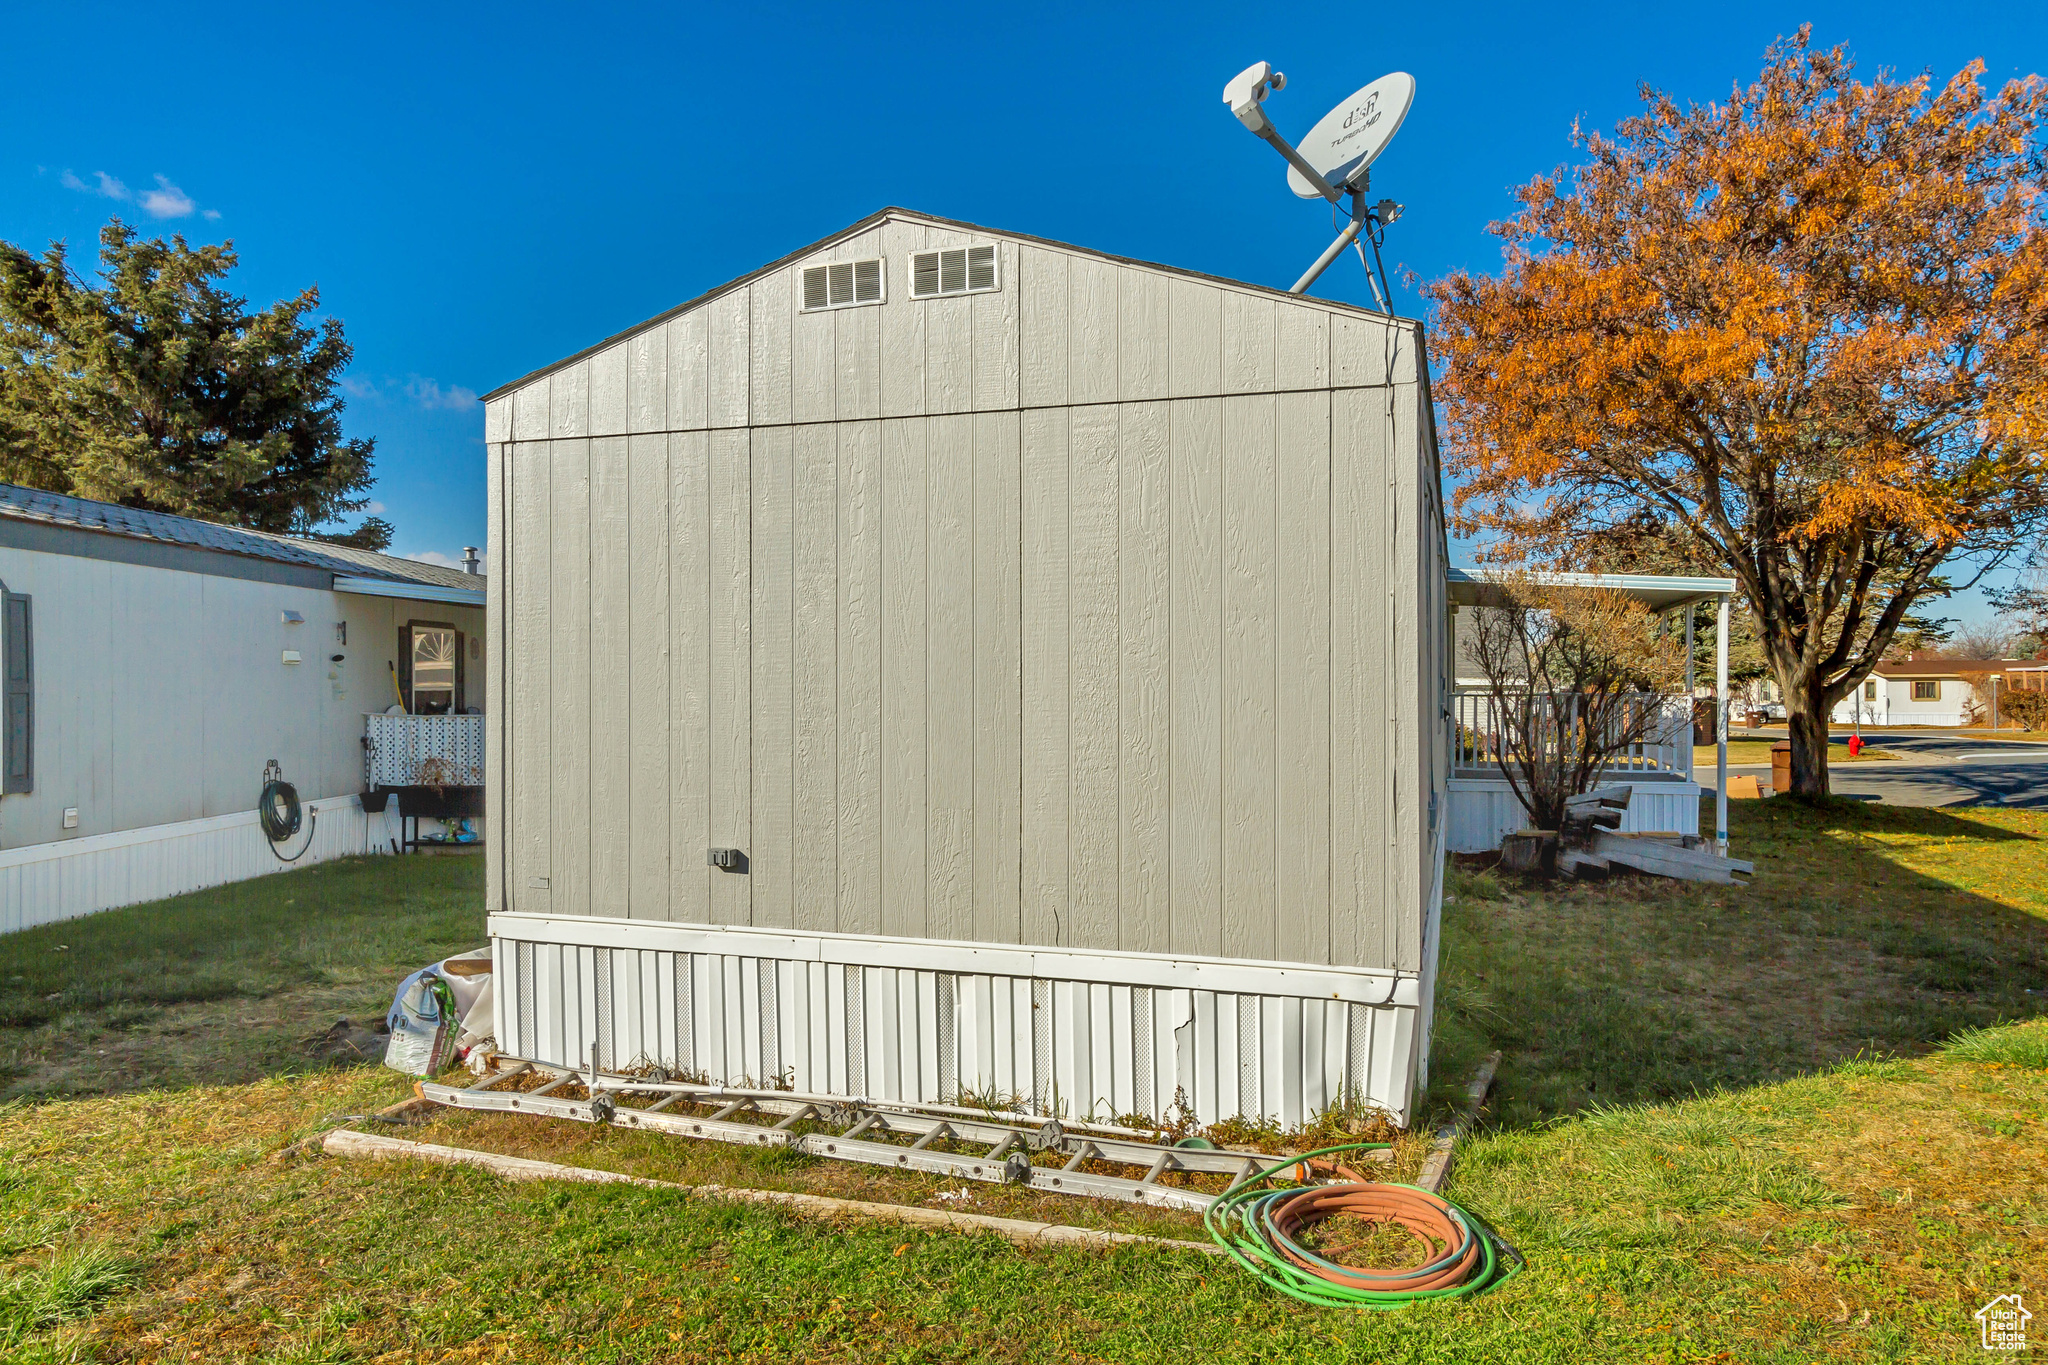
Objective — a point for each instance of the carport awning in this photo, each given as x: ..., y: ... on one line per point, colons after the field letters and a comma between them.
x: 410, y: 592
x: 1659, y: 592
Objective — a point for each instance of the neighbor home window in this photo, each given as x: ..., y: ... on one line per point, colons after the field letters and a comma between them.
x: 430, y: 654
x: 1870, y: 689
x: 1926, y: 689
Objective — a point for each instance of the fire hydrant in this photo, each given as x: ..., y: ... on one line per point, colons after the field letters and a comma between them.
x: 1855, y: 745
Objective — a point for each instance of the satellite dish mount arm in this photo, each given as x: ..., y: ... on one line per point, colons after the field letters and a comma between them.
x: 1246, y: 96
x: 1360, y: 216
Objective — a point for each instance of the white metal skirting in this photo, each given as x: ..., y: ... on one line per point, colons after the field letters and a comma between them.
x: 1484, y: 810
x: 44, y: 883
x: 913, y: 1019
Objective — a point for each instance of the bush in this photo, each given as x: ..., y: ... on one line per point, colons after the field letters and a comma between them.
x: 2030, y: 709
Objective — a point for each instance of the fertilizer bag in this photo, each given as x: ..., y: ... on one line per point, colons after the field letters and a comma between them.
x: 423, y: 1021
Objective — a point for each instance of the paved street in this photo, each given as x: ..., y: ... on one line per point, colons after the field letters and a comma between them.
x: 1935, y: 769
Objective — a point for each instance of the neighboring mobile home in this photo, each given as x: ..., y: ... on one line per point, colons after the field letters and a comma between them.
x: 945, y: 660
x: 1917, y: 691
x: 154, y: 664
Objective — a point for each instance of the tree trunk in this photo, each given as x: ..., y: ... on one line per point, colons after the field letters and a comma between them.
x: 1806, y: 717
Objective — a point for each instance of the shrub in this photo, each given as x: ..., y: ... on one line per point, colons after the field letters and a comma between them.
x: 2030, y: 709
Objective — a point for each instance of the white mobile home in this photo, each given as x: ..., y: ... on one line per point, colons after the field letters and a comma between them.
x: 154, y: 666
x: 945, y: 660
x: 1924, y: 691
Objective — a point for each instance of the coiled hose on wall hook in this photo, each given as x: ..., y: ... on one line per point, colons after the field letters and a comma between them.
x: 279, y: 812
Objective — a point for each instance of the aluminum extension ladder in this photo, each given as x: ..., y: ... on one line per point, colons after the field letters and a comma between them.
x: 868, y: 1130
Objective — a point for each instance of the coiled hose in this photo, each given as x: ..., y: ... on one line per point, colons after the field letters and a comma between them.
x: 279, y: 812
x: 1260, y: 1226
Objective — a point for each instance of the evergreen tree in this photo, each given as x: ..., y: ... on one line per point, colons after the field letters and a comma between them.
x: 157, y: 388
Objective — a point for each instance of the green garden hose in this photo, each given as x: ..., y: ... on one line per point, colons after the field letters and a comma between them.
x: 1259, y: 1224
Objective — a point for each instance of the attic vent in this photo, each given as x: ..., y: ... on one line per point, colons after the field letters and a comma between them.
x: 842, y: 285
x: 968, y: 270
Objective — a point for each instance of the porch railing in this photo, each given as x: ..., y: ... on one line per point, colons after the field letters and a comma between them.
x: 1477, y: 736
x: 423, y: 751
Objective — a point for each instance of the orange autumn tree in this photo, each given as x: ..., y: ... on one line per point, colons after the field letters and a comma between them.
x: 1806, y: 329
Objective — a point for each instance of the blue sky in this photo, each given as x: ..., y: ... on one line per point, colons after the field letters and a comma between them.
x: 480, y: 190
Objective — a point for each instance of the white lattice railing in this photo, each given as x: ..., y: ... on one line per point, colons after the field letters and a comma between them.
x: 423, y: 751
x: 1666, y: 749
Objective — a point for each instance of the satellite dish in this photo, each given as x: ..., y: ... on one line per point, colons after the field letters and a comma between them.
x: 1353, y: 134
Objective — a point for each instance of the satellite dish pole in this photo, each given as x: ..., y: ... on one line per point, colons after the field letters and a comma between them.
x: 1334, y: 160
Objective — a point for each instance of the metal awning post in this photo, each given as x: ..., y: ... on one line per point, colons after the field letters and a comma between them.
x: 1721, y: 727
x: 1692, y: 687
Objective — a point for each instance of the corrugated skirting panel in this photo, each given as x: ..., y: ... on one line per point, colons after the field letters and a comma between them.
x: 44, y: 883
x: 1484, y: 810
x: 1075, y: 1034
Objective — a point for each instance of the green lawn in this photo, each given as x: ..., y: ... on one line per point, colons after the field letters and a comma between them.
x: 226, y: 984
x: 1726, y: 1128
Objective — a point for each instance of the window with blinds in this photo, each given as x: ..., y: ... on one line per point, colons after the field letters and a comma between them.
x: 844, y: 284
x: 965, y: 270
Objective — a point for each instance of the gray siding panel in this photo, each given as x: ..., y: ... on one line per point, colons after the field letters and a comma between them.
x: 904, y: 679
x: 814, y: 680
x: 730, y: 641
x: 569, y: 719
x: 1302, y: 617
x: 998, y: 679
x: 689, y: 697
x: 1144, y: 805
x: 497, y: 487
x: 606, y: 701
x: 648, y: 676
x: 949, y: 677
x: 860, y: 678
x: 773, y: 849
x: 1195, y: 764
x: 527, y: 566
x: 1250, y: 600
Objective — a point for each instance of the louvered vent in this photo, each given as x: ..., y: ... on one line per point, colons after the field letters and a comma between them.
x: 967, y: 270
x: 842, y: 285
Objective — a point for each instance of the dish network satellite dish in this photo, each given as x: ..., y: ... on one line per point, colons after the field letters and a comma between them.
x: 1335, y: 159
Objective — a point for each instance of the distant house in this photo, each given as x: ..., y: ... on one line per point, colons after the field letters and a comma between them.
x: 1924, y: 691
x: 155, y: 664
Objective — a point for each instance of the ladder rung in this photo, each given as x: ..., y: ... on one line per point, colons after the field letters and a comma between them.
x: 1158, y: 1168
x: 808, y: 1111
x: 732, y: 1109
x: 1081, y: 1154
x: 938, y: 1131
x: 872, y: 1120
x: 498, y: 1076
